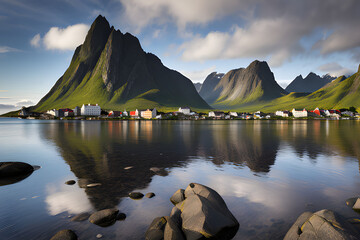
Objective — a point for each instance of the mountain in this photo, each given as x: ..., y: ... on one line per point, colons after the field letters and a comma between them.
x: 310, y: 83
x: 111, y: 68
x: 207, y: 91
x: 340, y: 93
x: 198, y: 86
x: 247, y: 85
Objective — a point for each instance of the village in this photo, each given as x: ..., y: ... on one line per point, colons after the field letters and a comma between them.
x: 90, y: 112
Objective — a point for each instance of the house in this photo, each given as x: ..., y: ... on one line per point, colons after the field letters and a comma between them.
x: 348, y: 113
x: 53, y: 112
x: 217, y: 114
x: 114, y: 114
x: 149, y: 113
x: 185, y: 110
x: 134, y: 114
x: 259, y: 115
x: 77, y: 111
x: 300, y: 113
x: 333, y: 113
x: 319, y: 112
x: 67, y: 112
x: 90, y: 110
x: 233, y: 114
x: 283, y: 113
x: 125, y: 113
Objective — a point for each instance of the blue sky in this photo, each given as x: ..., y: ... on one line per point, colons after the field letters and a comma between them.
x: 194, y: 37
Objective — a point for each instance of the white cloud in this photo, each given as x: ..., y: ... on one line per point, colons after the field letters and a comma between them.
x: 335, y: 69
x: 5, y: 49
x: 35, y: 41
x: 198, y: 76
x: 25, y: 103
x: 142, y: 13
x: 65, y: 38
x: 256, y: 41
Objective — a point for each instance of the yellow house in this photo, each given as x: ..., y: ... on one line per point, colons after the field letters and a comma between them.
x: 149, y: 113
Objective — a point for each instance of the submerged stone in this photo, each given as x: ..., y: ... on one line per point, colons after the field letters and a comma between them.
x: 65, y: 235
x: 104, y: 217
x: 136, y: 195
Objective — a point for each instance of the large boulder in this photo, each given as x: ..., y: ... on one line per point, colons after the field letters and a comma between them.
x: 13, y: 172
x: 156, y: 229
x: 322, y: 225
x: 201, y: 214
x: 104, y: 217
x: 65, y: 235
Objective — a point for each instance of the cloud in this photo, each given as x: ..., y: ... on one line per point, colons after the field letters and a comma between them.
x: 247, y: 43
x: 7, y: 106
x: 5, y: 49
x: 335, y: 69
x: 142, y: 13
x: 278, y: 30
x: 24, y: 103
x: 65, y: 38
x: 198, y: 76
x: 35, y: 41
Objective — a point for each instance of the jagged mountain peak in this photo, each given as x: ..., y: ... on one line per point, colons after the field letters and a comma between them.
x: 111, y: 68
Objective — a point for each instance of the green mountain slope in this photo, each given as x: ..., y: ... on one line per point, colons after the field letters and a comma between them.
x: 340, y: 93
x: 253, y: 84
x: 111, y: 69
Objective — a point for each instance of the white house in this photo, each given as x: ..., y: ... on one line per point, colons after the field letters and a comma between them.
x: 300, y: 113
x: 125, y: 113
x: 216, y: 114
x: 53, y: 112
x: 77, y: 111
x: 90, y: 110
x: 185, y: 110
x: 234, y: 114
x: 282, y: 113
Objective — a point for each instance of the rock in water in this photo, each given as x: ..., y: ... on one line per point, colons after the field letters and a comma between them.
x: 150, y: 195
x: 65, y: 235
x: 70, y: 182
x: 156, y: 229
x: 13, y: 169
x: 178, y: 196
x: 324, y: 224
x: 121, y: 217
x: 136, y: 195
x: 104, y: 217
x: 205, y: 214
x: 202, y: 214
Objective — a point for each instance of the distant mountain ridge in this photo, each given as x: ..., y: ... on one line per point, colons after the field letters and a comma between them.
x: 198, y: 86
x: 110, y: 68
x: 208, y: 91
x: 245, y: 86
x: 310, y: 83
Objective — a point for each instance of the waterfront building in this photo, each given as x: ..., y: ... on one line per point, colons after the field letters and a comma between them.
x: 185, y: 110
x: 90, y: 110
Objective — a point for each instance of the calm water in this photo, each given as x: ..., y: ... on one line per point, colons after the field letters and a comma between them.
x: 268, y: 172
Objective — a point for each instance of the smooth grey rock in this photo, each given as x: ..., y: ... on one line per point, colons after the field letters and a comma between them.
x: 136, y: 195
x: 156, y: 229
x: 173, y: 229
x: 351, y: 201
x: 150, y: 195
x: 104, y: 217
x: 13, y: 169
x: 178, y: 196
x: 65, y: 235
x: 80, y: 217
x: 70, y: 182
x: 322, y: 225
x: 205, y: 214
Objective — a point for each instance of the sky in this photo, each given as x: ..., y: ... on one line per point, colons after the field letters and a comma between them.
x: 194, y: 37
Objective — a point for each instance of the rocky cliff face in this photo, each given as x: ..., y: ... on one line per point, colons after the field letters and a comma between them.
x: 247, y: 85
x: 110, y: 68
x: 208, y: 92
x: 310, y: 83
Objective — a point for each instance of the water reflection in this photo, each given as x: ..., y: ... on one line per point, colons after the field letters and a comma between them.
x: 100, y: 151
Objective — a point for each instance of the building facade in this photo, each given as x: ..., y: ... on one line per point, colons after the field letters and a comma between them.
x: 149, y: 113
x: 185, y: 110
x: 90, y: 110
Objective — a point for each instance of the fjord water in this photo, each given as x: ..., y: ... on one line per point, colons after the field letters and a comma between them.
x: 268, y: 172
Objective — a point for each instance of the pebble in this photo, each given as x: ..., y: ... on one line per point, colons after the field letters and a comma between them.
x: 127, y: 168
x: 93, y: 185
x: 150, y: 195
x: 99, y: 236
x: 70, y: 182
